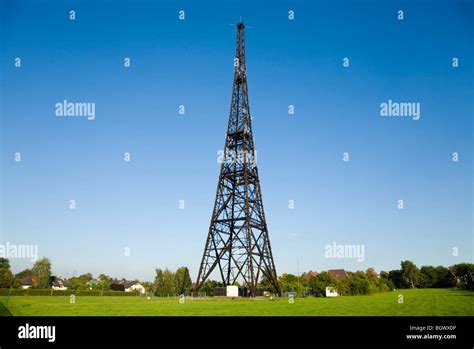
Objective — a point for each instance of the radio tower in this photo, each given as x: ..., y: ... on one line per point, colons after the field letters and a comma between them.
x: 237, y: 245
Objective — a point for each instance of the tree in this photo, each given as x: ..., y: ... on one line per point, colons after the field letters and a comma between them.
x: 86, y: 277
x: 76, y: 283
x: 410, y: 274
x: 149, y: 286
x: 355, y: 284
x: 376, y: 282
x: 209, y: 285
x: 183, y: 281
x: 395, y: 276
x: 42, y: 271
x: 159, y: 281
x: 317, y: 284
x: 82, y: 282
x: 103, y: 282
x: 428, y: 276
x: 266, y: 285
x: 16, y: 283
x: 436, y: 277
x: 464, y: 274
x: 164, y: 282
x: 6, y: 276
x: 288, y: 283
x: 385, y: 278
x: 23, y: 273
x: 4, y: 263
x: 444, y: 277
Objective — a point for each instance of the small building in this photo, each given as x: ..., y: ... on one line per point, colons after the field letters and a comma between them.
x: 309, y: 275
x: 232, y: 291
x: 127, y: 286
x: 338, y: 274
x: 331, y: 291
x: 134, y: 286
x: 26, y: 282
x: 117, y: 285
x: 59, y: 284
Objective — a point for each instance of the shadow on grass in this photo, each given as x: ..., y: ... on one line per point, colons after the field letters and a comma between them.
x: 4, y: 311
x: 463, y: 293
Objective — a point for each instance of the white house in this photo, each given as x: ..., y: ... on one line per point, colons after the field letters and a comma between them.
x: 134, y: 286
x: 331, y: 291
x: 59, y: 284
x: 26, y: 282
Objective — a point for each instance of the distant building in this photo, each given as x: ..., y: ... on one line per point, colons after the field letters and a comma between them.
x: 308, y: 275
x: 127, y: 286
x: 134, y: 286
x: 232, y: 291
x: 117, y: 285
x: 58, y: 284
x: 331, y: 291
x: 26, y: 282
x: 338, y: 274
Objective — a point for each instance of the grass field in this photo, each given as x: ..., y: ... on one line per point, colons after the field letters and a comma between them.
x: 436, y: 302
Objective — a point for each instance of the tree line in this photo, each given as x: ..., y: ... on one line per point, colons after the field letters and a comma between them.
x: 167, y: 282
x: 40, y: 274
x: 410, y: 276
x: 368, y: 282
x: 42, y: 277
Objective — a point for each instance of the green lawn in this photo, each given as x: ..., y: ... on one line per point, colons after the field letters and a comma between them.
x: 437, y: 302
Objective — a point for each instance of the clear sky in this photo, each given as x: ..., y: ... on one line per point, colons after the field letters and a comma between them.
x: 296, y: 62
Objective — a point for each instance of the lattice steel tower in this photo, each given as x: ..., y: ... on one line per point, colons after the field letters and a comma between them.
x: 237, y: 245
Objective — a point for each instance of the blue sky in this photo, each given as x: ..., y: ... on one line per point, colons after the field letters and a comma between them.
x: 173, y: 157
